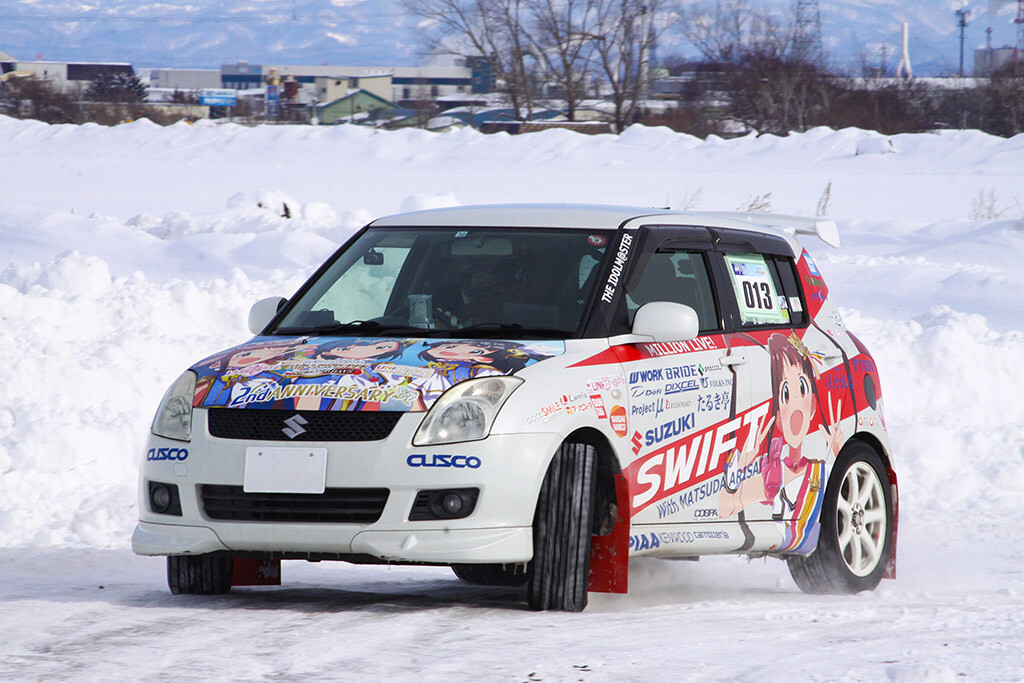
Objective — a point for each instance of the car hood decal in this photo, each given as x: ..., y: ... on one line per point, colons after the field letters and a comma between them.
x: 346, y: 373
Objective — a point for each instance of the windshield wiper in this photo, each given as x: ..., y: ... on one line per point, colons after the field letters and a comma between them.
x: 372, y: 328
x: 497, y: 330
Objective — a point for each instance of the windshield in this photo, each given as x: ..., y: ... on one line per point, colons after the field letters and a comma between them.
x: 454, y: 282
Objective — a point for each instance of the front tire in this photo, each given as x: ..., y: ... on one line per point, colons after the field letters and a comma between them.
x: 491, y: 574
x: 856, y: 528
x: 199, y: 574
x: 562, y: 530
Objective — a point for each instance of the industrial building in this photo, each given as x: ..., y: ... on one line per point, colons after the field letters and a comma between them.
x: 990, y: 59
x: 184, y: 79
x: 70, y: 77
x: 405, y: 83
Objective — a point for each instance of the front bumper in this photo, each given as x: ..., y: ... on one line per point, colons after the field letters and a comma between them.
x: 499, y: 530
x: 513, y: 544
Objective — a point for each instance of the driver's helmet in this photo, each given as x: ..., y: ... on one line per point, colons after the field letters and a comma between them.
x: 484, y: 281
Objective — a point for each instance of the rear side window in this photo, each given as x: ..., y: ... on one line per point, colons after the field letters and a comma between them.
x: 758, y: 288
x: 786, y: 270
x: 680, y: 277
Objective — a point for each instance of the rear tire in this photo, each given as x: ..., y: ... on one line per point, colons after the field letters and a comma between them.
x: 199, y: 574
x: 491, y: 574
x: 856, y: 528
x: 562, y: 529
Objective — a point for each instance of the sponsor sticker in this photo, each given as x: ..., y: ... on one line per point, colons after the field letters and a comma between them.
x: 167, y: 454
x: 618, y: 420
x: 686, y: 462
x: 617, y: 267
x: 440, y: 460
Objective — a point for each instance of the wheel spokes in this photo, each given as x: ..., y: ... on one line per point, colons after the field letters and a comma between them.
x: 844, y: 509
x: 867, y: 492
x: 845, y: 534
x: 855, y: 555
x: 873, y: 515
x: 861, y: 519
x: 853, y: 487
x: 870, y: 548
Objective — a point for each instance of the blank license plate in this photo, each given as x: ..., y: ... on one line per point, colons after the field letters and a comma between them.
x: 285, y: 470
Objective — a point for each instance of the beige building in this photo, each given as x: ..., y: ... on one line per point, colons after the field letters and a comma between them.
x: 328, y: 89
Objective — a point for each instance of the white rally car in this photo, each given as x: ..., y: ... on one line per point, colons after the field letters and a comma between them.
x: 532, y: 395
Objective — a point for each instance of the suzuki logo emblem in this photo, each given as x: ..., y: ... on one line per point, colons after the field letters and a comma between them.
x: 294, y: 427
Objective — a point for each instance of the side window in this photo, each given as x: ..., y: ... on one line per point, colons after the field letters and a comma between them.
x: 758, y: 288
x: 791, y: 289
x: 680, y: 277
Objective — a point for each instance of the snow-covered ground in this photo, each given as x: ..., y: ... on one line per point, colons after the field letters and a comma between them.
x: 127, y: 253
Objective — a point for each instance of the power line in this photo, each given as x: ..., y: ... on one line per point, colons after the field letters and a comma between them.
x: 266, y: 18
x: 177, y: 20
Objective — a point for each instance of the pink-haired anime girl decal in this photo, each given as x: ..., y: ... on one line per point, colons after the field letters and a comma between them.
x: 785, y: 477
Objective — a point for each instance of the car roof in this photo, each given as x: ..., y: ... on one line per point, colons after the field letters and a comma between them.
x: 592, y: 216
x: 596, y: 216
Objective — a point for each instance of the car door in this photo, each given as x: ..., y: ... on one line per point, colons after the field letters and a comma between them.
x: 678, y: 391
x: 779, y: 473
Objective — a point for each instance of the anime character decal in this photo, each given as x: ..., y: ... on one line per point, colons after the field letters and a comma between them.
x: 354, y: 373
x: 454, y: 361
x: 785, y: 478
x: 219, y: 374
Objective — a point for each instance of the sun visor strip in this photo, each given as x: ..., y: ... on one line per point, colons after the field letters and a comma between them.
x: 730, y: 241
x: 682, y: 238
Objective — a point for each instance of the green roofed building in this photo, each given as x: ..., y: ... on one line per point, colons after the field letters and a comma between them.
x: 358, y: 106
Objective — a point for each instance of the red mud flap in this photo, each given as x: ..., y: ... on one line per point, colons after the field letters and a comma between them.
x: 249, y: 571
x: 890, y: 568
x: 609, y: 554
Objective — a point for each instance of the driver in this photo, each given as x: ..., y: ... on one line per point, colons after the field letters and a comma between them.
x: 483, y: 289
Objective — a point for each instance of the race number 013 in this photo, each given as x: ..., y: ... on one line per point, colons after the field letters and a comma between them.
x: 757, y: 295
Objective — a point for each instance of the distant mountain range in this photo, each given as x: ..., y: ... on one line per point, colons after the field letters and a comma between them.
x: 206, y: 34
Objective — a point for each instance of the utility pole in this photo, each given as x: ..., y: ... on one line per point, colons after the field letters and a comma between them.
x: 807, y: 43
x: 645, y: 66
x: 1019, y: 44
x: 987, y: 70
x: 962, y: 14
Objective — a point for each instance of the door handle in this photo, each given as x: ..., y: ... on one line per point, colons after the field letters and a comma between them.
x: 732, y: 360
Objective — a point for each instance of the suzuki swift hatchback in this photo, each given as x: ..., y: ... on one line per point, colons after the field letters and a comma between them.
x: 533, y: 395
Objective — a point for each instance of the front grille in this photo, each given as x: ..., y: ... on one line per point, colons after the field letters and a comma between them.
x: 315, y: 425
x: 358, y: 506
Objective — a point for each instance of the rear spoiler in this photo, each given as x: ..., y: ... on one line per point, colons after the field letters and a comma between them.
x: 825, y: 230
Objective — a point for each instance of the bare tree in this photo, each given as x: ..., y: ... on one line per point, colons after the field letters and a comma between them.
x: 625, y: 33
x: 771, y: 86
x: 1004, y: 95
x: 33, y: 98
x: 566, y: 41
x: 720, y: 30
x: 495, y: 29
x: 563, y: 42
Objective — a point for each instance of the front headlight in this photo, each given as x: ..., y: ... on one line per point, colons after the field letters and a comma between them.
x: 466, y: 411
x: 174, y: 416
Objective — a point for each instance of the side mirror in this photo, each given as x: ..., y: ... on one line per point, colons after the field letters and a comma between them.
x: 263, y: 311
x: 666, y: 321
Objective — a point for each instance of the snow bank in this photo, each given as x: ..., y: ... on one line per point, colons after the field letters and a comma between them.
x: 127, y: 253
